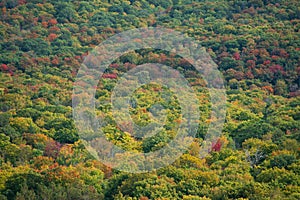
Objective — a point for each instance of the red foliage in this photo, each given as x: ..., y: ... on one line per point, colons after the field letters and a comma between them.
x: 52, y: 36
x: 269, y: 89
x: 163, y: 57
x: 21, y: 2
x: 77, y: 57
x: 52, y: 149
x: 283, y: 53
x: 255, y: 52
x: 237, y: 56
x: 55, y: 61
x: 216, y: 146
x: 42, y: 60
x: 35, y: 20
x: 110, y: 76
x: 11, y: 73
x: 266, y: 62
x: 138, y: 40
x: 250, y: 63
x: 276, y: 68
x: 67, y: 59
x: 4, y: 67
x: 84, y: 55
x: 114, y: 65
x: 54, y: 29
x: 280, y: 52
x: 239, y: 75
x: 249, y: 74
x: 52, y: 22
x: 45, y: 24
x: 250, y: 10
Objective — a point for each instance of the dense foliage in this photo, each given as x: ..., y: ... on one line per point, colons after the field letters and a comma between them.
x: 256, y: 45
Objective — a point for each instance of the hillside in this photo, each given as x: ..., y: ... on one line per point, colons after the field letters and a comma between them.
x: 256, y: 46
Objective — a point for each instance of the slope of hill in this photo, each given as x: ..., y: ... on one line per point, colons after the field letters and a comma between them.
x: 256, y: 45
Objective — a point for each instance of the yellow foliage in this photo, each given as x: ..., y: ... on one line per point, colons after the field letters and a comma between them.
x: 8, y: 170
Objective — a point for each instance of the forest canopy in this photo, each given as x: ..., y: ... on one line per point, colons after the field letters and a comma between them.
x: 256, y: 45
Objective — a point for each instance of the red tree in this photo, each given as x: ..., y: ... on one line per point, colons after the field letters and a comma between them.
x: 4, y: 67
x: 216, y: 146
x: 237, y: 56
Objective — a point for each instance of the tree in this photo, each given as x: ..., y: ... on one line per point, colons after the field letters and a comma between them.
x: 280, y: 88
x: 282, y: 160
x: 65, y: 12
x: 65, y: 135
x: 257, y: 150
x: 25, y: 181
x: 37, y: 45
x: 251, y: 129
x: 23, y: 125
